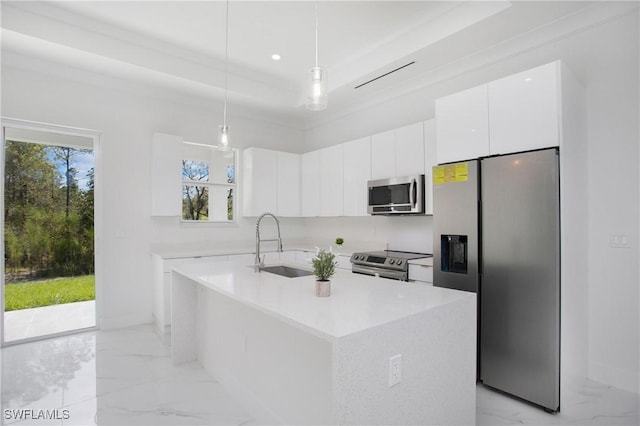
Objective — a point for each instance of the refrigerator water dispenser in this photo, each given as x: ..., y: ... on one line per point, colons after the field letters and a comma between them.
x: 454, y: 253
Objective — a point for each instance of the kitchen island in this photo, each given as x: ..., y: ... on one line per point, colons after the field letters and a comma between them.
x: 311, y: 360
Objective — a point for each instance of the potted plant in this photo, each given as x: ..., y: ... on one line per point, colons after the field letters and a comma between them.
x: 324, y: 266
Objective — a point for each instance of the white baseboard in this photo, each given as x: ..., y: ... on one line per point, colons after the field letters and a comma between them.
x: 121, y: 321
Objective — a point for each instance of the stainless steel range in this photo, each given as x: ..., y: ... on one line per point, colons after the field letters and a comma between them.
x: 386, y: 264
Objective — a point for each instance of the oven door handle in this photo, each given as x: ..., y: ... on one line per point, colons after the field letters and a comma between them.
x: 382, y: 272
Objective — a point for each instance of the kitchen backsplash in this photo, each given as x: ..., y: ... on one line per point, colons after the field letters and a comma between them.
x: 406, y: 233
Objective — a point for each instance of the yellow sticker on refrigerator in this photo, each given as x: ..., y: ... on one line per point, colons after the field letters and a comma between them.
x: 451, y: 173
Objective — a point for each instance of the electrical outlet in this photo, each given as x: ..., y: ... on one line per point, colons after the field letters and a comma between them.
x: 395, y: 370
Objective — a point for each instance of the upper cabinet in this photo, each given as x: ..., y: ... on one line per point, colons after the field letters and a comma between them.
x: 331, y: 181
x: 524, y: 110
x: 310, y: 191
x: 398, y: 152
x: 288, y: 176
x: 517, y: 113
x: 462, y: 128
x: 383, y: 155
x: 260, y: 181
x: 357, y: 171
x: 166, y: 182
x: 429, y: 161
x: 410, y: 150
x: 271, y: 182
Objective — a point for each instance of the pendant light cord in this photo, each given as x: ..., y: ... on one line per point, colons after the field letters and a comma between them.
x: 226, y: 61
x: 316, y: 33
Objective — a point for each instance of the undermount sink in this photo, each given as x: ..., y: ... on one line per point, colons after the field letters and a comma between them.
x: 286, y: 271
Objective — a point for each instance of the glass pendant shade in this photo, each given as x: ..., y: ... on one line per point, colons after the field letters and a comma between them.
x: 317, y: 96
x: 223, y: 136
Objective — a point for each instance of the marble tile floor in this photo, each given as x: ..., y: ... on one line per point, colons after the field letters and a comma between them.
x: 35, y: 322
x: 126, y: 377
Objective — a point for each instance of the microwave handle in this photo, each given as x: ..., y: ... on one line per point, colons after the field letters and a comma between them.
x: 412, y: 190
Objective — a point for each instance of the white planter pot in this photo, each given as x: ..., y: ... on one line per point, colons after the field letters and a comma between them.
x: 323, y: 288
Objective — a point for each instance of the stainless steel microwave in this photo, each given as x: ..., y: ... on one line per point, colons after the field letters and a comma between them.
x: 396, y: 196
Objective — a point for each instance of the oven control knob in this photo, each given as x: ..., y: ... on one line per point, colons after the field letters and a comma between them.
x: 392, y: 261
x: 400, y: 262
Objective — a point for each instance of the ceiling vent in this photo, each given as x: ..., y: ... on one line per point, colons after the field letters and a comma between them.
x: 384, y: 75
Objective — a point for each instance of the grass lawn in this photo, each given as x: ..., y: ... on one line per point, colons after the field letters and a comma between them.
x: 49, y: 292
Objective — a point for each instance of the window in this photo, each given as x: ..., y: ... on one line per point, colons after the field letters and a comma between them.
x: 208, y: 183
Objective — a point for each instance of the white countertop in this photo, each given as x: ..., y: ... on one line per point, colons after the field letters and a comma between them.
x: 425, y: 261
x: 357, y: 302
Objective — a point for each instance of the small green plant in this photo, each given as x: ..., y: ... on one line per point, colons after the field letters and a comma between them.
x: 324, y: 264
x: 339, y: 241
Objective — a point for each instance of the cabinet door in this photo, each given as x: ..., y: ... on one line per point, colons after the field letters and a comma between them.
x: 410, y: 150
x: 429, y: 161
x: 383, y: 155
x: 524, y: 109
x: 357, y: 171
x: 310, y: 193
x: 331, y: 181
x: 462, y: 125
x: 259, y: 181
x: 288, y: 184
x: 166, y: 179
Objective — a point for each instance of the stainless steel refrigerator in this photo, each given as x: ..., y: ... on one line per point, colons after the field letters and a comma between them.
x: 497, y: 231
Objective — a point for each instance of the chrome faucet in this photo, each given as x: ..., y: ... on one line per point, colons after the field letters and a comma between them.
x: 260, y: 262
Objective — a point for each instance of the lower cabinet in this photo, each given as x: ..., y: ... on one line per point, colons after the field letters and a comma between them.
x: 421, y: 274
x: 162, y: 287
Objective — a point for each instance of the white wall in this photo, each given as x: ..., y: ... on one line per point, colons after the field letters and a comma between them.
x: 127, y: 122
x: 604, y: 322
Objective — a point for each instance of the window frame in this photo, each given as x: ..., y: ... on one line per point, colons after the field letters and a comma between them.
x: 212, y: 185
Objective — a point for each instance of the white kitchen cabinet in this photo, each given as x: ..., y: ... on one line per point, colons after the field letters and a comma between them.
x: 310, y: 188
x: 288, y: 175
x: 331, y: 181
x: 409, y: 150
x: 524, y: 110
x: 162, y: 287
x: 421, y: 274
x: 430, y: 160
x: 344, y: 262
x: 166, y: 180
x: 383, y: 155
x: 462, y: 127
x: 271, y: 183
x: 260, y: 181
x: 357, y: 171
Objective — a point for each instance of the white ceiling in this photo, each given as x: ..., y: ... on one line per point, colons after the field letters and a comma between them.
x: 179, y: 45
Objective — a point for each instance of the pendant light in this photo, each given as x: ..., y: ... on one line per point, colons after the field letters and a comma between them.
x: 223, y: 130
x: 317, y: 96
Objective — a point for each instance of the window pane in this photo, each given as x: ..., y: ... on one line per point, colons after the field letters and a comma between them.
x: 221, y: 203
x: 195, y: 170
x: 223, y: 167
x: 195, y: 202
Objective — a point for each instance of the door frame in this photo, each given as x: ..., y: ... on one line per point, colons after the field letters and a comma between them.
x: 97, y: 211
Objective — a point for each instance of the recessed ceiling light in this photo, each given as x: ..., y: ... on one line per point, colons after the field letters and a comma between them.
x: 276, y: 57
